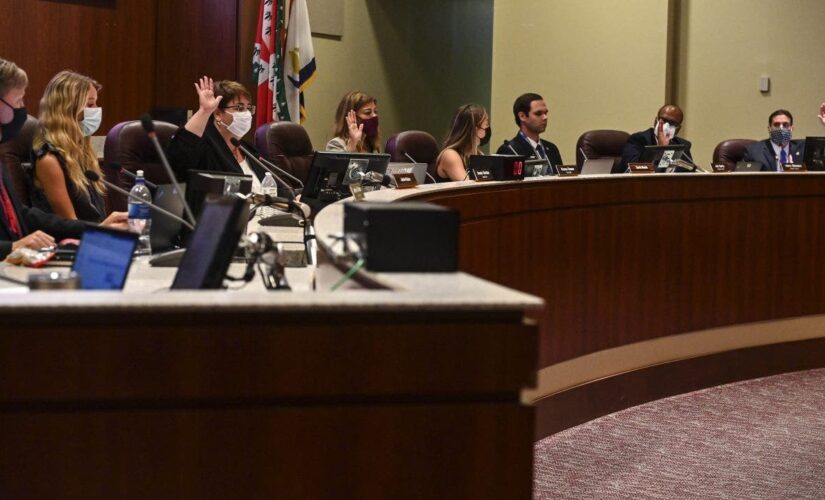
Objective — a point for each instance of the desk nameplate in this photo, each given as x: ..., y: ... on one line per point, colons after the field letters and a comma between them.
x: 641, y: 168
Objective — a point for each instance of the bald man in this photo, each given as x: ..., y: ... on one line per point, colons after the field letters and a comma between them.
x: 667, y: 123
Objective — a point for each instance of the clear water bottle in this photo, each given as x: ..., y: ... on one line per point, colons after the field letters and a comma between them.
x: 140, y: 215
x: 269, y: 186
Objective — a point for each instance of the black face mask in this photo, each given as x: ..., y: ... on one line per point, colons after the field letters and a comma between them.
x: 11, y: 129
x: 487, y: 133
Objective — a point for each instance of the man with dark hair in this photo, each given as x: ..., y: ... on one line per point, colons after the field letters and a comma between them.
x: 779, y: 148
x: 668, y: 121
x: 530, y: 113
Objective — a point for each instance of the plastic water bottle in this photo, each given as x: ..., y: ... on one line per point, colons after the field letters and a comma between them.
x: 140, y: 215
x: 269, y: 186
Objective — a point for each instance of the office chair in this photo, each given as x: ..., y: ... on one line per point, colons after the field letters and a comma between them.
x: 420, y: 146
x: 287, y: 145
x: 601, y: 144
x: 17, y: 155
x: 730, y: 152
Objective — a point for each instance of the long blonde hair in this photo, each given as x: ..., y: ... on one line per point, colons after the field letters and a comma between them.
x: 354, y: 101
x: 462, y: 134
x: 62, y: 104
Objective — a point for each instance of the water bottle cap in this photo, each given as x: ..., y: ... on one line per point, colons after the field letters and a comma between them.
x: 139, y: 173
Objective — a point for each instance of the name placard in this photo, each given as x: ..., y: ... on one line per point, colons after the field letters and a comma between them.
x: 404, y: 181
x: 641, y: 168
x: 357, y: 190
x: 794, y: 167
x: 568, y: 170
x: 718, y: 168
x: 482, y: 175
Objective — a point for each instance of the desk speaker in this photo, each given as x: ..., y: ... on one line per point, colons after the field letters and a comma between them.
x: 406, y: 237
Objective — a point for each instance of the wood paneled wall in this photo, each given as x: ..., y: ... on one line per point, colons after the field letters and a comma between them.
x: 145, y: 53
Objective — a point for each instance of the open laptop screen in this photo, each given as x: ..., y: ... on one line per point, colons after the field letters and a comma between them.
x: 103, y: 258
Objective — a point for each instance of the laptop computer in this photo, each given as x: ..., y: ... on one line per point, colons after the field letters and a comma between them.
x: 597, y: 166
x: 165, y: 231
x: 104, y: 257
x: 748, y: 166
x: 419, y: 171
x: 213, y: 243
x: 662, y: 156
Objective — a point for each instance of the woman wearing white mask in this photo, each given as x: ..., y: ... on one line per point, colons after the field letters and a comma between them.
x: 63, y: 152
x: 224, y: 113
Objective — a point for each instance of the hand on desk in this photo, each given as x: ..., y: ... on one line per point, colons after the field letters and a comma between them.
x: 116, y: 220
x: 35, y: 241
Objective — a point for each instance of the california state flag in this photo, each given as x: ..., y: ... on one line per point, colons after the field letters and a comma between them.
x: 300, y: 59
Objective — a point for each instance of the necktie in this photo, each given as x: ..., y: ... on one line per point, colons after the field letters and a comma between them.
x: 783, y: 156
x: 8, y: 209
x: 540, y: 151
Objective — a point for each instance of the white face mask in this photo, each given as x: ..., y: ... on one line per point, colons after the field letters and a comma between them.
x: 241, y: 123
x: 91, y: 120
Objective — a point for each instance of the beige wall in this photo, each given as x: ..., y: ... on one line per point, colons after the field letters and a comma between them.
x: 726, y: 45
x: 598, y: 64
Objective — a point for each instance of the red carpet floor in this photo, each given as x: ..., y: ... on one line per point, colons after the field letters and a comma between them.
x: 760, y: 439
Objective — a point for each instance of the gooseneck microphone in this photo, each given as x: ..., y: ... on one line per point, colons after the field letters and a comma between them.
x: 425, y: 172
x: 301, y: 209
x: 149, y: 127
x: 269, y: 167
x: 507, y: 143
x: 131, y: 175
x: 92, y: 176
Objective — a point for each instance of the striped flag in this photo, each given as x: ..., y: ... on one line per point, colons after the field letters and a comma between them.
x: 267, y: 62
x: 300, y: 59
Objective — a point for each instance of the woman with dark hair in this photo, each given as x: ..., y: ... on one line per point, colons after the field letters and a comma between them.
x: 356, y: 125
x: 225, y: 112
x: 470, y: 130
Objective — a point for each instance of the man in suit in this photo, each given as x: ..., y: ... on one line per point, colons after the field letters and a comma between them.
x: 667, y: 123
x: 779, y: 148
x: 530, y: 113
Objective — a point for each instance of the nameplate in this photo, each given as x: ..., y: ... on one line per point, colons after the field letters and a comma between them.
x: 357, y: 190
x: 482, y: 174
x: 568, y: 170
x: 404, y: 181
x: 718, y: 168
x: 794, y: 167
x: 641, y: 168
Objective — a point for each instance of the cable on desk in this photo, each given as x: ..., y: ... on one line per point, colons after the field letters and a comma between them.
x: 352, y: 270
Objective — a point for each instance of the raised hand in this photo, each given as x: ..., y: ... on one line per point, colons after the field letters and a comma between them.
x: 356, y: 132
x: 822, y: 113
x: 207, y: 101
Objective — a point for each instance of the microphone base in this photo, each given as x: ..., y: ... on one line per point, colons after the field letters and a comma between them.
x: 281, y: 220
x: 167, y: 259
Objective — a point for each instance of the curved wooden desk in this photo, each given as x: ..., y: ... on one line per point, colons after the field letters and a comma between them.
x: 654, y: 285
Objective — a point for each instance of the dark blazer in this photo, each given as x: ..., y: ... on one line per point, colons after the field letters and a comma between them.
x: 635, y: 146
x: 763, y: 153
x: 524, y: 148
x: 33, y: 219
x: 187, y: 152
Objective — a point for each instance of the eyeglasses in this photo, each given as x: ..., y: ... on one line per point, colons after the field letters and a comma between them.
x: 241, y: 108
x: 670, y: 122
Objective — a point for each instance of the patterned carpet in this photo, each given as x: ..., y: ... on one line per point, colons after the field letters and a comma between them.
x: 760, y: 439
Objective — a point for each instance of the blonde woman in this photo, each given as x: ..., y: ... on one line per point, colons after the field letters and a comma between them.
x: 470, y: 130
x: 356, y: 125
x: 69, y: 114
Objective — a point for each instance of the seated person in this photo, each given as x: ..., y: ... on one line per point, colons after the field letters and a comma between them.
x: 470, y: 131
x: 531, y: 114
x: 205, y: 141
x: 20, y: 226
x: 356, y: 125
x: 779, y: 148
x: 63, y: 152
x: 668, y: 121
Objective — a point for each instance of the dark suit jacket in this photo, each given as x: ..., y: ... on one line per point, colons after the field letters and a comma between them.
x: 187, y: 152
x: 762, y: 152
x: 33, y: 219
x: 524, y: 148
x: 635, y: 146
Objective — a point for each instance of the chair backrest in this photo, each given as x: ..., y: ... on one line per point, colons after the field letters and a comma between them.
x: 287, y: 145
x: 419, y: 145
x: 17, y: 156
x: 601, y: 144
x: 731, y: 151
x: 128, y: 147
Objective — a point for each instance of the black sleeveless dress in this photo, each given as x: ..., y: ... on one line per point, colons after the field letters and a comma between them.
x: 88, y: 204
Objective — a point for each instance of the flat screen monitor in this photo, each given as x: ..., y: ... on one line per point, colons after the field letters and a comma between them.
x: 104, y: 257
x: 332, y: 172
x: 814, y: 157
x: 202, y: 185
x: 165, y: 231
x: 662, y: 156
x: 210, y: 250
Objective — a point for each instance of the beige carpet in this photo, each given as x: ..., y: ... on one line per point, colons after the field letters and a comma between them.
x: 760, y: 439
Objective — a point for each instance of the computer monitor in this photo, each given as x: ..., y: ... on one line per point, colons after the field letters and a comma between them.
x: 332, y: 172
x: 662, y: 156
x: 104, y: 257
x: 203, y: 185
x: 210, y: 250
x: 814, y: 157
